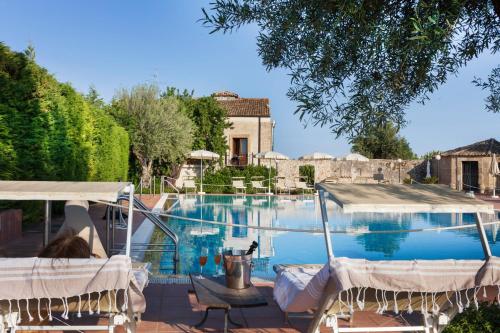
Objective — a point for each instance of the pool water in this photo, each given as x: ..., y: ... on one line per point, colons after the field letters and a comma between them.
x: 304, y: 212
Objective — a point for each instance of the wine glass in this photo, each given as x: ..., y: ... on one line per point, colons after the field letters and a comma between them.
x: 203, y: 259
x: 217, y: 259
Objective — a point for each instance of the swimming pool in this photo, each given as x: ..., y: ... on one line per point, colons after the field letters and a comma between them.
x: 304, y: 212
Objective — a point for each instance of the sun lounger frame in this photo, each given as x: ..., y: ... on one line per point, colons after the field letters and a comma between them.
x: 322, y: 315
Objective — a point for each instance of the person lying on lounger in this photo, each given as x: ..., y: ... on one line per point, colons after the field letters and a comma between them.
x: 67, y: 245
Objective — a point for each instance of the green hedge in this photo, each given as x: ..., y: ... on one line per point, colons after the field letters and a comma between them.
x: 48, y: 131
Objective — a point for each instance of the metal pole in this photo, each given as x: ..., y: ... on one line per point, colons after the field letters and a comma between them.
x: 130, y: 220
x: 108, y: 225
x: 154, y: 185
x: 201, y: 171
x: 47, y: 222
x: 482, y: 236
x: 113, y: 220
x: 326, y: 226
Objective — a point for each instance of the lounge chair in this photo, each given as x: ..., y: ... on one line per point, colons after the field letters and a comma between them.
x: 281, y: 186
x: 77, y: 219
x: 189, y: 184
x: 258, y: 186
x: 302, y: 186
x: 239, y: 186
x: 438, y: 289
x: 59, y: 287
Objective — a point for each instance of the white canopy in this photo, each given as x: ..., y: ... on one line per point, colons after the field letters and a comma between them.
x: 355, y: 157
x: 271, y: 155
x: 203, y: 155
x: 316, y: 156
x: 61, y: 190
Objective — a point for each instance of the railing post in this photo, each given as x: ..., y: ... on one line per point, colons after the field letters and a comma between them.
x: 48, y: 226
x: 130, y: 220
x: 326, y: 226
x: 482, y: 236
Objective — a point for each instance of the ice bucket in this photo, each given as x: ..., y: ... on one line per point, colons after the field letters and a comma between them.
x: 238, y: 268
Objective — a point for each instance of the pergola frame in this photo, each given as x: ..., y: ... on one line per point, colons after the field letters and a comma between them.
x: 49, y: 191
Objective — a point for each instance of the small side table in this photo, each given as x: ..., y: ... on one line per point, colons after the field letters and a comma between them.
x: 213, y: 293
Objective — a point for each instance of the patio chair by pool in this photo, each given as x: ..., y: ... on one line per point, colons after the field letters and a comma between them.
x: 189, y: 184
x: 301, y: 185
x: 282, y: 186
x: 239, y: 185
x: 258, y: 186
x: 438, y: 289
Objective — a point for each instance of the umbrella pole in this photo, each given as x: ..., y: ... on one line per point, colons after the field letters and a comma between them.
x: 201, y: 171
x: 269, y: 182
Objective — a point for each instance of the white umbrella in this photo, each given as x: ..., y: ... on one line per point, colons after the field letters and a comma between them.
x: 316, y: 156
x: 202, y: 155
x: 271, y: 155
x: 494, y: 171
x: 428, y: 173
x: 355, y: 157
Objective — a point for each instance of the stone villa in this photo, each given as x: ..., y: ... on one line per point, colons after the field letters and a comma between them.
x: 468, y: 168
x: 252, y: 129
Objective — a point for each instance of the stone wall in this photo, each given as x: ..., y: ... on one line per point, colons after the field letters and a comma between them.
x: 355, y: 171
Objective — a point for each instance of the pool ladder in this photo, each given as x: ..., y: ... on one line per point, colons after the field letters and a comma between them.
x: 169, y: 250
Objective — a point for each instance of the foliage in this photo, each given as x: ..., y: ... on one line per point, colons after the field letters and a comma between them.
x: 158, y: 130
x: 358, y: 63
x: 493, y: 85
x: 48, y: 131
x: 430, y: 155
x: 209, y: 121
x: 430, y: 180
x: 382, y: 142
x: 485, y: 320
x: 307, y: 171
x: 223, y: 176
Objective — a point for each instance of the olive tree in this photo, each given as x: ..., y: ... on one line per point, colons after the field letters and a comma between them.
x: 158, y: 129
x: 358, y: 63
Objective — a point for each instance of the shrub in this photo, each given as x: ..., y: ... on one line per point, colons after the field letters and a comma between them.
x: 307, y: 171
x: 430, y: 180
x: 485, y: 320
x: 215, y: 179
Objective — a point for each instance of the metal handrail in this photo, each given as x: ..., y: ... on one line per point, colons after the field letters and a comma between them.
x: 141, y: 207
x: 167, y: 180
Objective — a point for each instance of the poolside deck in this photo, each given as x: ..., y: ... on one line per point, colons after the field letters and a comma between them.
x: 404, y: 198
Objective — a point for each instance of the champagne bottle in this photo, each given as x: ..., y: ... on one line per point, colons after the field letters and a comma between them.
x: 252, y: 247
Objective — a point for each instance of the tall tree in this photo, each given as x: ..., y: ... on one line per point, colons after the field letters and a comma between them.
x: 209, y: 120
x: 356, y: 63
x: 158, y: 129
x: 382, y: 142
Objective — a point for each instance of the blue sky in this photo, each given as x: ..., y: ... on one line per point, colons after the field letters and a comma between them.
x: 115, y: 44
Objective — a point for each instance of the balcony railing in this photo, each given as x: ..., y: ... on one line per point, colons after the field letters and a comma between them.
x: 238, y: 160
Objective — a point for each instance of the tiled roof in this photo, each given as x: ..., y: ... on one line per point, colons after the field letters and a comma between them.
x: 246, y: 107
x: 481, y: 148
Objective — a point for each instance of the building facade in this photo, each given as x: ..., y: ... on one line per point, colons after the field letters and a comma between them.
x: 251, y: 131
x: 468, y: 168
